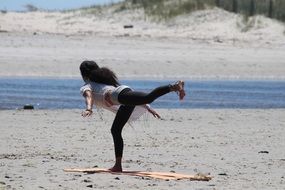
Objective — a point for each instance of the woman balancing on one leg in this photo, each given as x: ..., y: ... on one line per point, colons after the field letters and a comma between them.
x: 103, y: 89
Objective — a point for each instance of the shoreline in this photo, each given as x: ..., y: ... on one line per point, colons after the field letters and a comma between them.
x: 153, y: 78
x: 159, y: 79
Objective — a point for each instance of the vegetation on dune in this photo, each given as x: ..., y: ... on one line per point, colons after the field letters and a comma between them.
x: 165, y: 9
x: 31, y: 8
x: 270, y: 8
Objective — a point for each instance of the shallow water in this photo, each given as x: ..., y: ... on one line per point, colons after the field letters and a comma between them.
x: 64, y: 93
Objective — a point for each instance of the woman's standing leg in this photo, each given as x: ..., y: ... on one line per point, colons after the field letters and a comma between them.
x: 119, y: 122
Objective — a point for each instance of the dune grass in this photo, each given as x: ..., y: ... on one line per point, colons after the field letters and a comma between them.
x: 165, y: 9
x: 270, y: 8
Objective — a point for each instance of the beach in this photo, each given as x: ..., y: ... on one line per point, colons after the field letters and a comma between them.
x: 239, y: 148
x: 47, y: 55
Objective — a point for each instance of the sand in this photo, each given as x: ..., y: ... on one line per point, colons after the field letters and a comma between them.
x: 208, y: 44
x: 213, y: 24
x: 241, y: 149
x: 47, y: 55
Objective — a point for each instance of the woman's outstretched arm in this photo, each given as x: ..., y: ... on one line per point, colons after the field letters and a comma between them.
x: 152, y: 111
x: 89, y: 103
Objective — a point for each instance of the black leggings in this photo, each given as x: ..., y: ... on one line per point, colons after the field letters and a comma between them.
x: 134, y: 98
x: 129, y: 99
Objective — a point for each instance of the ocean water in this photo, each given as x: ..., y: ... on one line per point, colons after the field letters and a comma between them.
x: 64, y: 93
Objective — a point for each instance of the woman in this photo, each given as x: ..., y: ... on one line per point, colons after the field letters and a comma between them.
x: 103, y: 89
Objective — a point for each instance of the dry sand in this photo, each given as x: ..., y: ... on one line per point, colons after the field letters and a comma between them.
x: 36, y: 145
x: 213, y: 24
x: 49, y: 55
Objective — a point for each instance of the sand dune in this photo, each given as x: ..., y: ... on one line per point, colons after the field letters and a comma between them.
x: 213, y: 24
x: 211, y: 44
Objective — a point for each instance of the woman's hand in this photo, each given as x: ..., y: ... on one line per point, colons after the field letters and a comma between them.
x: 87, y: 113
x: 89, y: 103
x: 153, y: 112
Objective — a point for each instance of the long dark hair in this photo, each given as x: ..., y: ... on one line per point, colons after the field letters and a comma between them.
x: 91, y: 71
x: 86, y: 67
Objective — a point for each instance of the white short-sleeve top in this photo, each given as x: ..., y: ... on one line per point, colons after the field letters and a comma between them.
x: 100, y: 91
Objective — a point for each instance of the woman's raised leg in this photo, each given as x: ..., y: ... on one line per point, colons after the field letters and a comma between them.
x: 130, y: 97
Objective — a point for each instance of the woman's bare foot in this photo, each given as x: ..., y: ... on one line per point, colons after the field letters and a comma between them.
x: 118, y: 165
x: 116, y: 169
x: 179, y: 88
